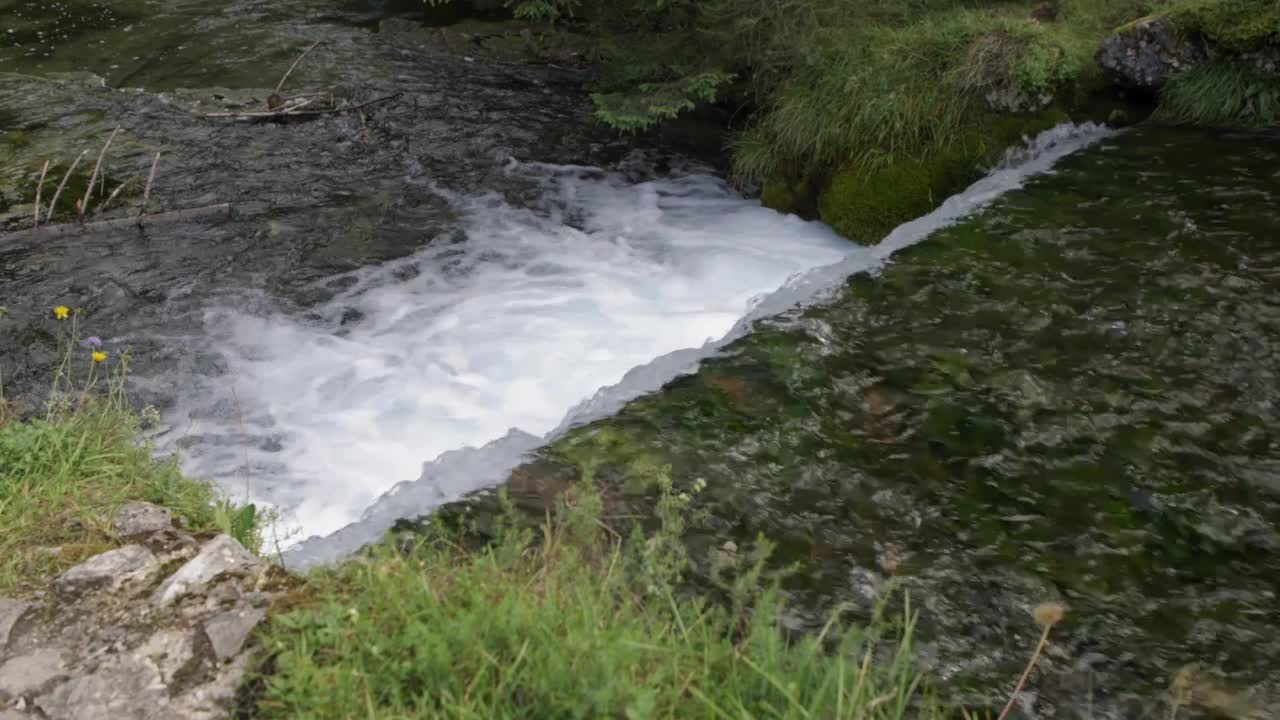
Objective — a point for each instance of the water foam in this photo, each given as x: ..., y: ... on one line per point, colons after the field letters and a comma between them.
x: 478, y: 352
x: 529, y: 312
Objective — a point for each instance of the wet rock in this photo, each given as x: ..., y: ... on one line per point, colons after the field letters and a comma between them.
x: 11, y: 611
x: 29, y: 674
x: 127, y: 690
x: 220, y: 556
x: 227, y: 632
x: 109, y: 570
x: 140, y: 518
x: 1146, y: 53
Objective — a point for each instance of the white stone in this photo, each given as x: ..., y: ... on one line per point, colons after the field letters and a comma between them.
x: 111, y: 570
x: 220, y: 556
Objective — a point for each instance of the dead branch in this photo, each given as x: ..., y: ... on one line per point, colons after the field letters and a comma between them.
x: 254, y: 116
x: 288, y: 72
x: 146, y: 194
x: 114, y: 193
x: 208, y: 213
x: 53, y: 203
x: 39, y: 187
x: 88, y: 193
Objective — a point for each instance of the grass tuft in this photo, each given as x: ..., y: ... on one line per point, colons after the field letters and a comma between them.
x: 1222, y: 95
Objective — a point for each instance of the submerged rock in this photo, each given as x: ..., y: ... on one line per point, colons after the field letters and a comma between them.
x: 1146, y: 53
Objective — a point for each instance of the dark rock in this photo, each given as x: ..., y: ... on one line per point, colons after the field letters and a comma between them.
x: 140, y: 518
x: 11, y: 611
x: 29, y: 674
x: 1146, y: 53
x: 111, y: 569
x: 228, y: 632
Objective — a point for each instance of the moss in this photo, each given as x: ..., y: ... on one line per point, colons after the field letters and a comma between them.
x: 1240, y: 25
x: 790, y: 194
x: 864, y: 205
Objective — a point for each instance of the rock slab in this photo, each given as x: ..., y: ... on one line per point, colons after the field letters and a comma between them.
x: 11, y: 611
x: 140, y: 518
x: 228, y: 632
x: 110, y: 570
x: 29, y: 674
x: 221, y: 556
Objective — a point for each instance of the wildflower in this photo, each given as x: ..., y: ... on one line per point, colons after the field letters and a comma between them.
x: 1049, y: 614
x: 62, y: 312
x: 99, y: 356
x: 93, y: 341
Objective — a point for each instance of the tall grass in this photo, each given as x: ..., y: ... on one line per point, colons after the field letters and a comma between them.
x: 568, y: 622
x: 1222, y: 94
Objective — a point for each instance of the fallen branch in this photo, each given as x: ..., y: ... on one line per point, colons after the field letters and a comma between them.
x: 39, y: 187
x: 269, y: 114
x: 288, y: 72
x: 208, y: 213
x: 114, y: 193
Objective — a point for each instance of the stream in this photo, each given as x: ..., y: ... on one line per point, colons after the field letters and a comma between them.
x: 1061, y: 385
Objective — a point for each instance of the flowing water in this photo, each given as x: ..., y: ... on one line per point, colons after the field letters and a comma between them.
x: 1069, y: 395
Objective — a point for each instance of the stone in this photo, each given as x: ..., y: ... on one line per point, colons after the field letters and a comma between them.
x: 220, y: 556
x: 1146, y: 53
x: 169, y: 651
x: 30, y: 674
x: 140, y: 518
x: 227, y: 632
x: 128, y: 690
x: 110, y: 570
x: 13, y: 715
x: 11, y: 611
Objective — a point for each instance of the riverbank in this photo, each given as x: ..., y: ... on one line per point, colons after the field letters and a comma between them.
x: 581, y: 615
x: 868, y: 114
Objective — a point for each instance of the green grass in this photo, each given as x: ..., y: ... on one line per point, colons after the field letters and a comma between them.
x: 567, y: 622
x: 1222, y: 95
x: 63, y: 475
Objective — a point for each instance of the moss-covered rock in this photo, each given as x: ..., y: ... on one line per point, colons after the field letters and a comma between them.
x: 1232, y: 25
x: 864, y: 204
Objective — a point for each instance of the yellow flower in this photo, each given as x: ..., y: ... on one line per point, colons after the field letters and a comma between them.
x: 99, y: 356
x: 61, y: 312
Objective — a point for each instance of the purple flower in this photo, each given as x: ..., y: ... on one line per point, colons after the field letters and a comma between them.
x: 93, y: 341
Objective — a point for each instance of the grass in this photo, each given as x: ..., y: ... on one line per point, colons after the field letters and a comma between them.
x: 569, y: 621
x: 63, y: 475
x: 1222, y: 95
x: 873, y: 93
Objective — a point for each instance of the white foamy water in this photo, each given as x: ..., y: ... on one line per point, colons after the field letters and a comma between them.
x: 530, y: 314
x: 469, y: 355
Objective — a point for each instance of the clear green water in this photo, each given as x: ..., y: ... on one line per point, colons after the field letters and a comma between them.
x: 1072, y: 396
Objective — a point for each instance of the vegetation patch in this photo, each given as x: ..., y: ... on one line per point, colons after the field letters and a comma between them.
x: 1239, y: 25
x: 570, y: 621
x: 64, y: 474
x: 1222, y: 95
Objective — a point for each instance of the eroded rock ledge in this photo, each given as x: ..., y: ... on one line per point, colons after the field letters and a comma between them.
x: 154, y: 629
